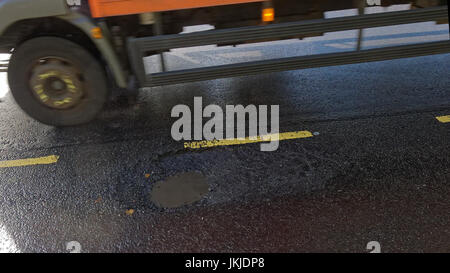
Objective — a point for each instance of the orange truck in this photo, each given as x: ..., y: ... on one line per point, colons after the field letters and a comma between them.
x: 105, y: 8
x: 66, y: 55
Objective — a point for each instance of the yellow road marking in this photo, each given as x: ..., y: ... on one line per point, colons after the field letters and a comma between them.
x: 29, y: 161
x: 444, y: 119
x: 237, y: 141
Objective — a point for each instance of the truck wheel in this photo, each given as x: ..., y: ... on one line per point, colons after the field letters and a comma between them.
x: 57, y: 82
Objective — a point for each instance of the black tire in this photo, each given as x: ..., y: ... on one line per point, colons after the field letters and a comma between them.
x: 94, y: 86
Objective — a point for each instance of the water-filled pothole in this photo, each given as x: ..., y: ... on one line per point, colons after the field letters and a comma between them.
x: 180, y: 190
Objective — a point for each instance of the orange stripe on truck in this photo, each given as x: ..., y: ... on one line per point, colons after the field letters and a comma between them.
x: 106, y: 8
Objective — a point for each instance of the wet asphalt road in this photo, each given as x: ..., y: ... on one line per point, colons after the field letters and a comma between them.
x: 377, y: 169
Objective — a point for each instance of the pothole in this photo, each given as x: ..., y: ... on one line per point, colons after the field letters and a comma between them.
x: 180, y: 190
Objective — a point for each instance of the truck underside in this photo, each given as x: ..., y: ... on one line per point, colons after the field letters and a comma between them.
x: 240, y: 15
x: 60, y: 64
x: 224, y: 17
x: 172, y: 21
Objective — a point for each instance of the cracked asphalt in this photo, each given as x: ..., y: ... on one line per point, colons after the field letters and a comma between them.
x: 378, y: 168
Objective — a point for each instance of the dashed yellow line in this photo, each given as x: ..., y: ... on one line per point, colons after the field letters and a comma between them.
x: 444, y: 119
x: 29, y: 161
x: 237, y: 141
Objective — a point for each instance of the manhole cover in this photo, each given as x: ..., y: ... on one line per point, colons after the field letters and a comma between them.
x: 179, y: 190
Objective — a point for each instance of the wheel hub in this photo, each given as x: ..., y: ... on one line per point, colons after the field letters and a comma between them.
x: 56, y: 83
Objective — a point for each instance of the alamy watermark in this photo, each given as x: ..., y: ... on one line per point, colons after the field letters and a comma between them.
x: 73, y: 3
x: 230, y: 123
x: 73, y: 247
x: 373, y: 2
x: 374, y: 247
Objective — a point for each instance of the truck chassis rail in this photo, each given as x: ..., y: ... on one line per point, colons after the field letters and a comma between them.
x: 139, y: 47
x: 3, y: 66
